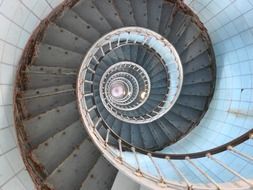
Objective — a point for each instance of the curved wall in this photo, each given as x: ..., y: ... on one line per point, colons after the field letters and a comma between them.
x: 18, y: 19
x: 229, y: 23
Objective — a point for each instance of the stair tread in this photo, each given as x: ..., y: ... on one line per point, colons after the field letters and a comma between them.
x: 148, y: 140
x: 109, y: 12
x: 71, y: 21
x: 58, y: 36
x: 166, y: 18
x: 200, y: 76
x: 199, y: 63
x: 178, y: 122
x: 179, y: 19
x: 54, y: 150
x: 101, y: 176
x: 195, y: 102
x: 202, y: 89
x: 140, y: 13
x: 190, y: 34
x: 45, y: 125
x: 195, y: 49
x: 89, y: 13
x: 186, y: 112
x: 71, y: 173
x: 136, y: 139
x: 49, y: 55
x: 154, y: 11
x: 40, y: 100
x: 125, y: 11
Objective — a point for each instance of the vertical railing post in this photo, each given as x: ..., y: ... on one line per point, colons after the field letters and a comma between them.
x: 236, y: 152
x: 120, y: 158
x: 229, y: 169
x: 107, y: 137
x: 161, y: 182
x: 179, y: 173
x: 138, y: 170
x: 203, y: 173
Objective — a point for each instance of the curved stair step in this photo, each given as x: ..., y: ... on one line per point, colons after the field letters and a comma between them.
x: 190, y: 34
x: 179, y: 122
x: 71, y: 173
x: 186, y: 112
x: 90, y: 14
x: 148, y: 140
x: 109, y: 12
x: 101, y: 176
x: 136, y: 139
x: 125, y: 11
x: 195, y: 49
x: 200, y: 76
x: 140, y: 12
x: 203, y: 89
x: 166, y: 18
x: 43, y: 126
x: 40, y: 100
x: 56, y: 149
x: 58, y: 36
x: 75, y: 24
x: 154, y: 11
x: 53, y: 56
x: 158, y: 135
x: 200, y: 62
x: 43, y: 77
x: 195, y: 102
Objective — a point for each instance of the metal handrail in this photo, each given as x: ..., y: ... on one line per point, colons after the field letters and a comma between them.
x: 115, y: 153
x: 146, y: 37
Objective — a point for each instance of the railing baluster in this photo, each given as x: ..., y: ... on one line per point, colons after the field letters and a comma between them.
x: 118, y: 41
x: 110, y: 45
x: 120, y: 158
x: 180, y: 174
x: 107, y: 137
x: 88, y: 81
x: 92, y: 108
x: 161, y: 182
x: 94, y: 57
x: 102, y: 50
x: 138, y: 171
x: 203, y: 173
x: 98, y: 121
x: 236, y: 152
x: 229, y: 169
x: 89, y: 94
x: 91, y: 70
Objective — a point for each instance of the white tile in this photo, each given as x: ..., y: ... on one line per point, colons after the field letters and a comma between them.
x: 13, y: 184
x: 26, y: 180
x: 3, y: 118
x: 7, y: 73
x: 6, y: 93
x: 15, y: 11
x: 6, y: 140
x: 5, y: 170
x: 15, y: 160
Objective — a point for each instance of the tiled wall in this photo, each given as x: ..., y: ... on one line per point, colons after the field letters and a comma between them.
x: 230, y: 25
x: 18, y: 19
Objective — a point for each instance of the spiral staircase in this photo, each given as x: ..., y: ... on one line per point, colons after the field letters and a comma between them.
x: 107, y: 86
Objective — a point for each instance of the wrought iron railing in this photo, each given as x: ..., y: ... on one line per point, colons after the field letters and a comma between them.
x: 128, y: 158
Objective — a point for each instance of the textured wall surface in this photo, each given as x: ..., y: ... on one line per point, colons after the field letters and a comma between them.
x: 229, y: 23
x: 18, y: 19
x: 230, y: 26
x: 230, y: 114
